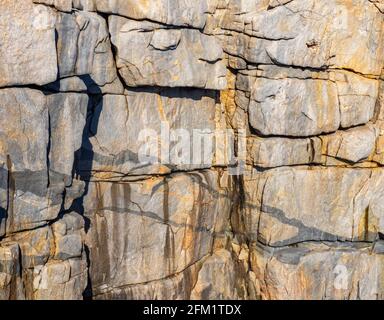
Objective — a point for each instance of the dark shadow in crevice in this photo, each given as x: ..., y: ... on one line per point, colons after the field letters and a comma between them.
x: 83, y: 163
x: 178, y: 92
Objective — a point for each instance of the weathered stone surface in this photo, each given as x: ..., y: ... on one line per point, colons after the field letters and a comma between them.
x: 67, y: 113
x: 318, y: 272
x: 85, y: 84
x: 168, y: 58
x: 353, y: 145
x: 379, y: 4
x: 10, y: 284
x: 28, y: 107
x: 29, y: 270
x: 25, y: 197
x: 62, y: 5
x: 304, y: 107
x: 145, y: 120
x: 169, y: 222
x: 176, y: 287
x: 84, y: 49
x: 312, y: 34
x: 341, y: 148
x: 32, y: 192
x: 218, y: 280
x: 271, y: 185
x: 212, y: 278
x: 57, y: 280
x: 65, y: 275
x: 357, y: 98
x: 68, y: 233
x: 288, y: 206
x: 27, y: 50
x: 277, y: 152
x: 276, y: 107
x: 170, y: 12
x: 35, y: 246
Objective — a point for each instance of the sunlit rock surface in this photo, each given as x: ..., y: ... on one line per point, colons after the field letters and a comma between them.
x: 97, y: 203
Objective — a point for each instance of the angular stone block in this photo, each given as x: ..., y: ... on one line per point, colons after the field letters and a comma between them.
x: 318, y: 272
x: 291, y: 205
x: 171, y: 12
x: 84, y: 50
x: 27, y: 47
x: 169, y: 222
x: 142, y: 119
x: 315, y: 34
x: 150, y: 54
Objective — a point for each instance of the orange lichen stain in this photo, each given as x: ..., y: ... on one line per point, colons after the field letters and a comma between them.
x: 304, y: 282
x: 144, y: 3
x: 188, y: 235
x: 138, y: 9
x: 106, y: 174
x: 363, y: 226
x: 319, y: 103
x: 148, y: 185
x: 164, y: 170
x: 227, y: 96
x: 367, y: 226
x: 160, y: 108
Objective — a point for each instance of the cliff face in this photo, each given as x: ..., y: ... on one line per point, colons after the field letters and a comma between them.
x: 289, y: 205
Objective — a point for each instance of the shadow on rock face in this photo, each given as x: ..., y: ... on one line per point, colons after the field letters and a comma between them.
x: 85, y: 155
x: 3, y: 216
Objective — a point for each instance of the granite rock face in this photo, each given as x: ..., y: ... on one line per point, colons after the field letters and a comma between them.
x: 150, y: 54
x: 28, y: 49
x: 293, y: 273
x: 178, y: 219
x: 213, y: 149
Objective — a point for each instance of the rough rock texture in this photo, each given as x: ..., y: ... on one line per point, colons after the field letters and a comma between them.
x: 28, y: 49
x: 169, y: 57
x: 300, y: 84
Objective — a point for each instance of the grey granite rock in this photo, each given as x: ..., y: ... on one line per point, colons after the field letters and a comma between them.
x: 67, y: 114
x: 355, y: 145
x: 218, y: 279
x: 10, y: 284
x: 283, y: 104
x: 27, y: 51
x: 288, y: 206
x: 318, y: 272
x: 146, y: 120
x: 170, y: 12
x: 169, y: 57
x: 308, y: 34
x: 25, y: 195
x: 158, y: 222
x: 60, y: 280
x: 84, y: 49
x: 31, y: 192
x: 288, y: 98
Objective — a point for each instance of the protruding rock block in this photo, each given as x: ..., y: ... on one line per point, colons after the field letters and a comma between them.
x: 291, y: 205
x: 33, y: 129
x: 28, y: 49
x: 292, y: 103
x: 154, y: 132
x: 318, y: 272
x: 150, y: 54
x: 312, y: 34
x: 169, y: 222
